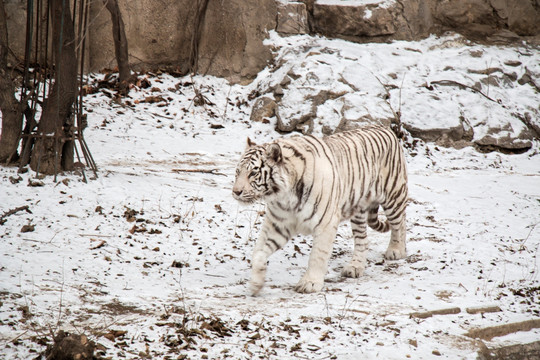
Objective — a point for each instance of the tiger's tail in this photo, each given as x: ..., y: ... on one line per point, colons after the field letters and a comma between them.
x: 374, y: 222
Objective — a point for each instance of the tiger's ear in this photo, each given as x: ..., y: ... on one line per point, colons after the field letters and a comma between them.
x: 273, y: 153
x: 249, y: 143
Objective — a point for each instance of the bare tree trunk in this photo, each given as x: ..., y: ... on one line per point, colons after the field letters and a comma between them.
x: 10, y: 107
x: 120, y: 42
x: 52, y: 152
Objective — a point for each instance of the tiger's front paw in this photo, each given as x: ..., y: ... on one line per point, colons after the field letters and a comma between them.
x: 255, y: 286
x: 257, y: 281
x: 308, y: 286
x: 352, y: 271
x: 258, y: 273
x: 395, y: 253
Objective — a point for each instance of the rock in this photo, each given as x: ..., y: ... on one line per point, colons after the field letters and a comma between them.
x: 528, y: 78
x: 418, y: 17
x: 501, y: 7
x: 443, y: 137
x: 504, y: 142
x: 513, y: 136
x: 520, y: 16
x: 306, y: 118
x: 287, y: 124
x: 292, y: 18
x: 35, y: 183
x: 483, y: 309
x: 428, y: 314
x: 352, y: 124
x: 463, y: 12
x: 503, y: 36
x: 232, y: 45
x: 320, y: 96
x: 28, y: 228
x: 264, y: 108
x: 346, y: 21
x: 527, y: 351
x: 285, y: 81
x: 278, y: 91
x: 523, y: 16
x: 354, y: 117
x: 513, y: 63
x: 15, y: 180
x: 412, y: 19
x: 489, y: 333
x: 533, y: 123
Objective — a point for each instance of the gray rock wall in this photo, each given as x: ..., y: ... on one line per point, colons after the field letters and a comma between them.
x: 415, y: 19
x: 160, y: 32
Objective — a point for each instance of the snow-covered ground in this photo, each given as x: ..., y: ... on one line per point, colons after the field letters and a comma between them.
x: 151, y: 258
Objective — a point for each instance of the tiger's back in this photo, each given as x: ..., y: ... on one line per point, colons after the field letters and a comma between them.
x: 317, y: 183
x: 348, y: 172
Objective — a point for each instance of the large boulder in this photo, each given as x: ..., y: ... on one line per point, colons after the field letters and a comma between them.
x: 151, y: 31
x: 519, y: 16
x: 457, y: 13
x: 523, y: 16
x: 232, y: 38
x: 374, y: 20
x: 292, y: 18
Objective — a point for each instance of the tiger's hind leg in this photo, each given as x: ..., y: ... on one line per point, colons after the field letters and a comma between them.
x: 358, y: 262
x: 397, y: 246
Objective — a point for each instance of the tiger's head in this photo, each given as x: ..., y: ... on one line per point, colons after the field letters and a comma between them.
x: 258, y: 173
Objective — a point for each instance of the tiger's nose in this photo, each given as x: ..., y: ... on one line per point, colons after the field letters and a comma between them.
x: 237, y: 192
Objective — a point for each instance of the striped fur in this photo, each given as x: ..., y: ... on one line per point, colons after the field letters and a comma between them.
x: 310, y: 185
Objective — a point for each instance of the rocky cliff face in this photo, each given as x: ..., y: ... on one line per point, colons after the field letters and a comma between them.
x: 161, y: 33
x: 381, y: 20
x: 231, y: 40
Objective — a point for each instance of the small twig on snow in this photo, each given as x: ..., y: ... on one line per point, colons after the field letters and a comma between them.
x: 15, y: 338
x: 532, y: 226
x: 61, y: 298
x: 100, y: 244
x: 226, y: 103
x: 456, y: 83
x: 397, y: 127
x: 203, y: 171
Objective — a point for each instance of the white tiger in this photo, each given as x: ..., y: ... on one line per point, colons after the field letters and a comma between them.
x: 310, y: 185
